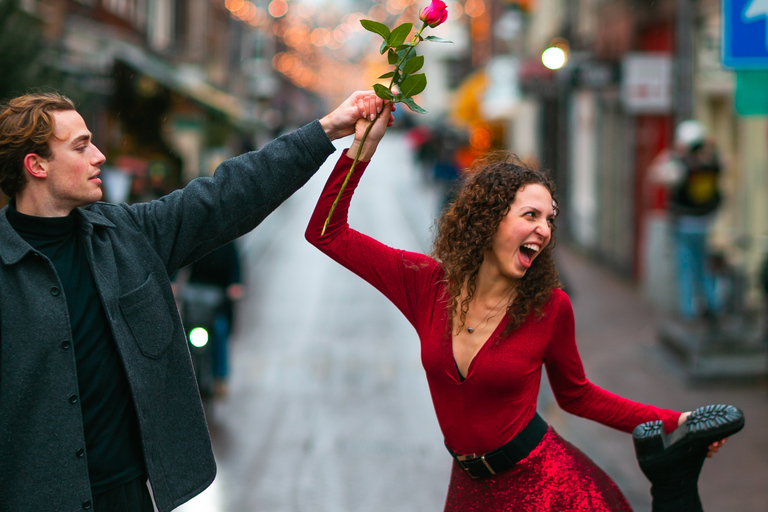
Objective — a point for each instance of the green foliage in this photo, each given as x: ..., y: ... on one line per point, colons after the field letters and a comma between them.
x: 376, y: 28
x: 413, y: 65
x: 383, y: 92
x: 398, y: 36
x: 402, y: 55
x: 436, y: 39
x: 413, y: 85
x: 405, y: 53
x: 413, y: 106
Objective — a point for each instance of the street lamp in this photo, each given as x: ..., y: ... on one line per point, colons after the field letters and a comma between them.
x: 553, y: 57
x: 556, y: 55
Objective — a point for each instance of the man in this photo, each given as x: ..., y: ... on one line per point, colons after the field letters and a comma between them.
x: 97, y: 393
x: 691, y: 172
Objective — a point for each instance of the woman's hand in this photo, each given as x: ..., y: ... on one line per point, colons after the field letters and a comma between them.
x: 714, y: 447
x: 375, y: 134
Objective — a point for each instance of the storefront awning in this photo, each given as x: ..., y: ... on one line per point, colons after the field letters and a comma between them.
x: 239, y: 112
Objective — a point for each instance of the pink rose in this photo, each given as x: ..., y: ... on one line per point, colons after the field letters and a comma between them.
x: 434, y: 14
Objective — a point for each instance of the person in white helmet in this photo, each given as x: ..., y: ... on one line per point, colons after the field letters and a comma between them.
x: 691, y: 174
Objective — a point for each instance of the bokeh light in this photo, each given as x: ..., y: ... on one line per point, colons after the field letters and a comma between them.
x: 233, y: 5
x: 278, y: 8
x: 553, y: 57
x: 259, y: 18
x: 455, y: 10
x: 320, y: 36
x: 474, y: 8
x: 296, y: 36
x: 305, y: 10
x: 480, y: 138
x: 353, y: 21
x: 378, y: 13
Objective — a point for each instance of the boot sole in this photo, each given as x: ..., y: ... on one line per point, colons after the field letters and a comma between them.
x: 703, y: 427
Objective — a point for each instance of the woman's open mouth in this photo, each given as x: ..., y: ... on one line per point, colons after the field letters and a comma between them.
x: 527, y: 253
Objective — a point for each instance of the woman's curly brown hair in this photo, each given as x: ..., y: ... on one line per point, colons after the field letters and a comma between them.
x: 465, y: 232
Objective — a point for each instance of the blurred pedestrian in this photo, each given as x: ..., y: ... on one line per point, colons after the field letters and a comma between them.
x: 691, y: 172
x: 97, y: 393
x: 490, y: 314
x: 220, y: 268
x: 445, y: 170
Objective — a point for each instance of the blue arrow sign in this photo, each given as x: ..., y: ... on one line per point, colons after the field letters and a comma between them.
x: 745, y: 34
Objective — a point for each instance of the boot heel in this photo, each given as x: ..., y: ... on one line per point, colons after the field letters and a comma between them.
x: 648, y: 438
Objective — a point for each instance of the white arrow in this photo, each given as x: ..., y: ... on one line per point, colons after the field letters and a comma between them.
x: 754, y: 11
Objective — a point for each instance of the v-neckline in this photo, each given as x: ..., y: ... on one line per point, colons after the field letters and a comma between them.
x: 462, y: 378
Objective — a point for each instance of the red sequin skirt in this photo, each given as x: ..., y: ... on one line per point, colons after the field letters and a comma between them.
x: 555, y: 477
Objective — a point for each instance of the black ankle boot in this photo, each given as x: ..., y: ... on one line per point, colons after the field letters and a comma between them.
x: 672, y: 462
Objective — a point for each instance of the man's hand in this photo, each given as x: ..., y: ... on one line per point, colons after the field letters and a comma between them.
x: 341, y: 122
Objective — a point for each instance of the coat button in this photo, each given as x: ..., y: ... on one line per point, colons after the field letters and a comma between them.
x: 55, y: 291
x: 65, y: 344
x: 73, y: 399
x: 80, y: 453
x: 86, y: 505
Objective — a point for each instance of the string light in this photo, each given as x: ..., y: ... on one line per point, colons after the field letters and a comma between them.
x: 278, y: 8
x: 323, y: 44
x: 474, y: 8
x: 259, y: 18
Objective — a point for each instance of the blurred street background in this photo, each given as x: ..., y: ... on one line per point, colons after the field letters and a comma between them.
x: 326, y: 407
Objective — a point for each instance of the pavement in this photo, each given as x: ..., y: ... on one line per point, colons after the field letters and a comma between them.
x: 327, y: 387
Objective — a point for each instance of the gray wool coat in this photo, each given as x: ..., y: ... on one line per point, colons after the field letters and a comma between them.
x: 132, y: 251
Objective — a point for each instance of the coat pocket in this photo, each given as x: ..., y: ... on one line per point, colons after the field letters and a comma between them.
x: 146, y: 311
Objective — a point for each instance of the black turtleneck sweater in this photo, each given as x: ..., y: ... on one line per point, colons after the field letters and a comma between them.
x: 110, y: 424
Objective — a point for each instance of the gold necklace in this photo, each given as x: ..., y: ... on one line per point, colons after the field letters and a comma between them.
x: 492, y: 314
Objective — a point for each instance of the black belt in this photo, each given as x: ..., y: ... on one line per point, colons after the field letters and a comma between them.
x: 502, y: 459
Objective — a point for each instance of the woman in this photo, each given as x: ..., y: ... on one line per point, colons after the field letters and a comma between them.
x: 489, y: 313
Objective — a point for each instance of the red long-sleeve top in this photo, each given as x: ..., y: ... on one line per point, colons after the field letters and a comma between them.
x: 498, y: 396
